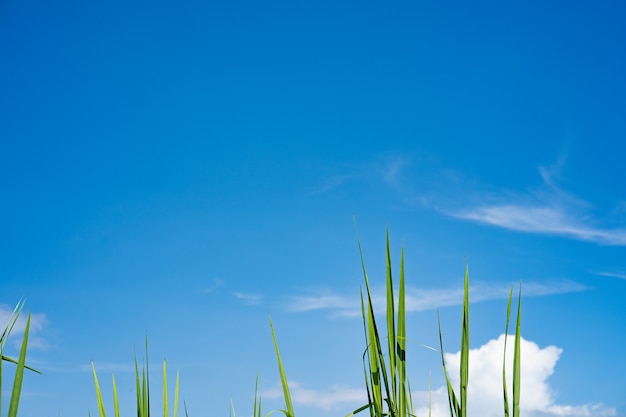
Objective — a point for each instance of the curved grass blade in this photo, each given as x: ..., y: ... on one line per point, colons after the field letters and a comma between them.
x: 19, y: 374
x: 452, y: 400
x: 283, y: 378
x: 101, y: 411
x: 517, y: 355
x: 116, y: 400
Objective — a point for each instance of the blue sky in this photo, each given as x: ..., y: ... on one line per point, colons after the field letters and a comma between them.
x: 183, y: 170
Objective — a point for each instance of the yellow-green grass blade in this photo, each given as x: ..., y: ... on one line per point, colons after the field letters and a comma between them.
x: 465, y: 346
x: 517, y: 354
x: 401, y: 344
x: 19, y: 373
x: 367, y: 374
x: 374, y: 365
x: 506, y: 336
x: 101, y: 411
x: 289, y: 412
x: 452, y: 400
x: 3, y: 338
x: 165, y: 408
x: 176, y: 394
x: 116, y: 400
x: 391, y: 330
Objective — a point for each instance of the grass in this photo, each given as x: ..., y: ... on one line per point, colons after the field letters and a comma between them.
x: 14, y: 400
x: 387, y: 385
x: 384, y: 361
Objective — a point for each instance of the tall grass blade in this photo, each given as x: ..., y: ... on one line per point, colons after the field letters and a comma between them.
x: 101, y: 411
x: 403, y: 406
x: 506, y: 336
x: 465, y: 346
x: 283, y: 378
x: 452, y: 400
x: 391, y: 331
x: 176, y: 394
x: 165, y: 408
x: 517, y: 355
x: 116, y: 400
x: 19, y: 373
x: 3, y: 338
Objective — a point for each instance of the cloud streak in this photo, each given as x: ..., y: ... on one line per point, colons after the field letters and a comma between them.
x: 418, y: 299
x: 546, y: 210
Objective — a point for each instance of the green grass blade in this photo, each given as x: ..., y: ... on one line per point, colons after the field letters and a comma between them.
x: 116, y: 400
x: 138, y: 389
x: 517, y: 358
x: 391, y: 331
x: 465, y: 346
x: 3, y: 338
x: 101, y: 411
x: 19, y: 373
x: 403, y: 406
x: 506, y: 336
x: 176, y: 394
x: 452, y: 400
x: 283, y: 378
x: 165, y: 408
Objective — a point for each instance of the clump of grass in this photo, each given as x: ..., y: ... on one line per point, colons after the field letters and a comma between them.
x: 142, y: 386
x: 20, y: 362
x: 387, y: 385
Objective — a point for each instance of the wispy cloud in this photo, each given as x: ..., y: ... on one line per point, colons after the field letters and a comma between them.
x: 250, y: 299
x: 418, y: 299
x: 611, y: 274
x: 385, y: 170
x: 547, y: 209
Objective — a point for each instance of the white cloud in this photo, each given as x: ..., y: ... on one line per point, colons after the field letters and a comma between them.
x: 250, y: 299
x: 37, y: 323
x: 485, y: 383
x: 611, y: 274
x: 484, y: 391
x: 424, y: 299
x: 332, y: 399
x: 546, y: 210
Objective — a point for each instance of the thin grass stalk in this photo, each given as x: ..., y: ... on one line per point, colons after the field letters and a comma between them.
x: 368, y: 384
x: 101, y: 410
x: 289, y: 412
x: 517, y: 355
x: 176, y: 393
x: 452, y: 400
x: 401, y: 343
x: 116, y: 400
x: 165, y: 407
x: 3, y: 338
x: 137, y: 387
x: 19, y: 373
x: 465, y: 346
x: 391, y: 332
x: 506, y: 336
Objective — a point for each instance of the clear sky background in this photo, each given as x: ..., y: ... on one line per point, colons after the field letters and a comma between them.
x: 184, y: 169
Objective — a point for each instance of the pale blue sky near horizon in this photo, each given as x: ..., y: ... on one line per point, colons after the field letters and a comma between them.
x: 184, y: 170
